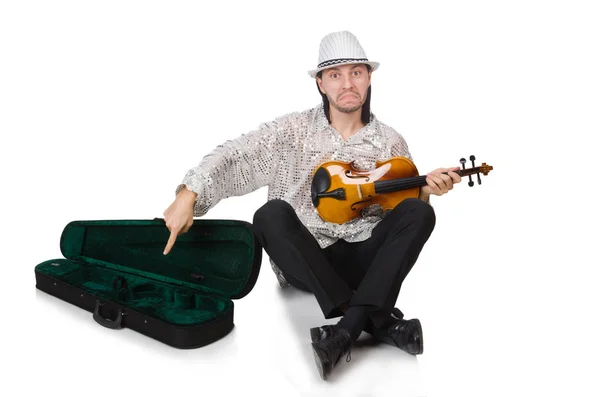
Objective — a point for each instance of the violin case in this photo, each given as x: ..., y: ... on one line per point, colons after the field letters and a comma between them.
x: 116, y: 270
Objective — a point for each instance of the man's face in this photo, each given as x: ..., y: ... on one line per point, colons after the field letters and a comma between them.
x: 345, y: 86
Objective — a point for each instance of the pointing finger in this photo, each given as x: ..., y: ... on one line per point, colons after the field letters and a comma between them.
x: 171, y: 242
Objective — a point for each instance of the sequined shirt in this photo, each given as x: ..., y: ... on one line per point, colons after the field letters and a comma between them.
x: 283, y: 154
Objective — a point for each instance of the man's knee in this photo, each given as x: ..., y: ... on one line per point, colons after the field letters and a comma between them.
x: 272, y: 212
x: 419, y: 211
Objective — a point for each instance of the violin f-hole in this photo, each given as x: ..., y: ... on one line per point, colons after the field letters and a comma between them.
x: 349, y: 175
x: 353, y: 208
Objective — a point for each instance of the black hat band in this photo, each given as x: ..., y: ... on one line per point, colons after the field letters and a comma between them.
x: 344, y: 60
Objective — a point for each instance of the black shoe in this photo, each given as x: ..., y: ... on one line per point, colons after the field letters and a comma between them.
x: 405, y: 334
x: 329, y: 349
x: 318, y: 333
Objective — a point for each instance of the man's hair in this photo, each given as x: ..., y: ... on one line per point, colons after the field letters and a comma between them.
x: 365, y: 115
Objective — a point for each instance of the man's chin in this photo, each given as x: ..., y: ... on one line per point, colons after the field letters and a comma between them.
x: 351, y: 109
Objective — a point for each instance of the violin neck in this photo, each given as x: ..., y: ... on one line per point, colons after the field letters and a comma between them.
x: 394, y: 185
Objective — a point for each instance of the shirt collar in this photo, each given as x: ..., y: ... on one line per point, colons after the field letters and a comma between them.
x: 369, y: 133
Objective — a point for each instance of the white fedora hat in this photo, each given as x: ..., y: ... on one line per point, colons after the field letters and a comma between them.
x: 340, y: 48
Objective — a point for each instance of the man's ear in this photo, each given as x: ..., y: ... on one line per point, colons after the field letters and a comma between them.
x: 320, y: 85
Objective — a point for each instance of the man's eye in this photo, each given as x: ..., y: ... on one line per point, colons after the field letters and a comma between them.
x: 334, y: 75
x: 357, y: 72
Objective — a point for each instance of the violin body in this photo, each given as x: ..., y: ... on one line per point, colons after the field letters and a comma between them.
x: 358, y: 188
x: 340, y: 192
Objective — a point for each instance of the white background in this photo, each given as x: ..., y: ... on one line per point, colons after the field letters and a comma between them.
x: 105, y: 105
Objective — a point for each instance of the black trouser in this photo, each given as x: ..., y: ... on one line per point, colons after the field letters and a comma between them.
x: 367, y: 273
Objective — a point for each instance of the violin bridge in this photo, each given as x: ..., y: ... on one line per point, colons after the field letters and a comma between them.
x: 359, y: 192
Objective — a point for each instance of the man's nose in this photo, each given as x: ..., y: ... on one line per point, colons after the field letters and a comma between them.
x: 347, y: 82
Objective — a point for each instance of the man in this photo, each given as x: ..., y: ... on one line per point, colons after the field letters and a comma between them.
x: 354, y: 269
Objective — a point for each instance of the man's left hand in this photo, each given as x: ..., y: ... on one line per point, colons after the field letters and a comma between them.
x: 439, y: 183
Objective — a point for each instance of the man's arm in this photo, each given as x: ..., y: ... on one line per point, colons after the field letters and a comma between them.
x: 234, y: 168
x: 424, y: 195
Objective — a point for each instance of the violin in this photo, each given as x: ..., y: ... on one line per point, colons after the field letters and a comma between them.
x: 340, y: 192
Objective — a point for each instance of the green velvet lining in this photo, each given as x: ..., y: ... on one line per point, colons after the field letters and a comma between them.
x: 213, y: 256
x: 174, y: 304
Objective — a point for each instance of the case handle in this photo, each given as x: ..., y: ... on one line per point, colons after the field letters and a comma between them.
x: 113, y: 324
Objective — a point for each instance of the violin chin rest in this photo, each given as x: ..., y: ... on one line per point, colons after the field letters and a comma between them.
x: 320, y: 184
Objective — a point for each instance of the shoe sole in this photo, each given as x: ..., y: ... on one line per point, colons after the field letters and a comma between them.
x: 319, y: 360
x: 420, y: 350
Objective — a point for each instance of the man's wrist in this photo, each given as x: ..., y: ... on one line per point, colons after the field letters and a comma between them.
x: 188, y: 193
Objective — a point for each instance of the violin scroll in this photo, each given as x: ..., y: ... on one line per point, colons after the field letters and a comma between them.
x: 485, y: 168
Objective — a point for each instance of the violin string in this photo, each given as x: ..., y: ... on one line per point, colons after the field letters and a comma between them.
x: 399, y: 184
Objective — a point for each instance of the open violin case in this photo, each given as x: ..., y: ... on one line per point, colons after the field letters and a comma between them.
x: 116, y: 270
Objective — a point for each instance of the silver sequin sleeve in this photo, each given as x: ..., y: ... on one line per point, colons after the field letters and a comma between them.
x: 399, y: 146
x: 235, y: 168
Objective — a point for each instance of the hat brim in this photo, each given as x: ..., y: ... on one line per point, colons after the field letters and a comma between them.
x: 313, y: 73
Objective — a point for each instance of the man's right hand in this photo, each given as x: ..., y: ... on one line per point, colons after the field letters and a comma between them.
x: 179, y: 217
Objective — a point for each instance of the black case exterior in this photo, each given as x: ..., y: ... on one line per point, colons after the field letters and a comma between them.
x: 112, y: 315
x: 117, y: 316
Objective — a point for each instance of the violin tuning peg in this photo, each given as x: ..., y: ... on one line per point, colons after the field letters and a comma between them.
x: 463, y: 161
x: 472, y: 158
